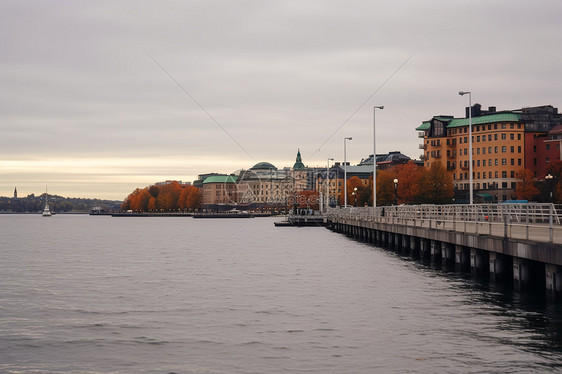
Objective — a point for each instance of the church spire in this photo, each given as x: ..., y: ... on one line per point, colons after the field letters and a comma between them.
x: 298, y: 163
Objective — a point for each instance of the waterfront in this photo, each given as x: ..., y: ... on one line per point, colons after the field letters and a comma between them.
x: 86, y: 294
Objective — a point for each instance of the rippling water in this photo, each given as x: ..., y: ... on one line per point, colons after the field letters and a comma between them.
x: 86, y: 294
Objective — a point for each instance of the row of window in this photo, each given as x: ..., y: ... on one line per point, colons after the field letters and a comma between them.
x: 484, y: 175
x: 489, y: 137
x: 492, y: 185
x: 477, y: 128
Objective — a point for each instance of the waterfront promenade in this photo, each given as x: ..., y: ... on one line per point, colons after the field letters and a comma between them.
x: 522, y: 242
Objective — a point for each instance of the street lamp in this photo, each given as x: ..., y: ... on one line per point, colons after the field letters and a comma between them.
x: 471, y: 190
x: 354, y: 193
x: 549, y: 178
x: 375, y: 159
x: 395, y: 191
x: 328, y: 183
x: 345, y: 171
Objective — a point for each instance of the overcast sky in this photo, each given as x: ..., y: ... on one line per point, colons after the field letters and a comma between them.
x: 99, y: 98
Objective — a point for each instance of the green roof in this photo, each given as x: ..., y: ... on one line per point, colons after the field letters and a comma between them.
x: 221, y: 179
x: 480, y: 120
x: 491, y: 118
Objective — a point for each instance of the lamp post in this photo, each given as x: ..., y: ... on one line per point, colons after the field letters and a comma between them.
x: 395, y: 191
x: 328, y: 183
x: 354, y: 193
x: 345, y: 171
x: 471, y: 188
x: 549, y: 178
x: 375, y: 159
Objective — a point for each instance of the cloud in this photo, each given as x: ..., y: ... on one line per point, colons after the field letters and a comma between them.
x: 78, y: 83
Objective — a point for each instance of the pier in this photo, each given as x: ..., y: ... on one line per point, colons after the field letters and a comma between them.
x: 518, y: 243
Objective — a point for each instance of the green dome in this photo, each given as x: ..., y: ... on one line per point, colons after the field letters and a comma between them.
x: 263, y: 166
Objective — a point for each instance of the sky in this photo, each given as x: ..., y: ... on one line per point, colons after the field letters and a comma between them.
x: 99, y: 98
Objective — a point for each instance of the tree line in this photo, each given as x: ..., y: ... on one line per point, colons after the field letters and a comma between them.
x: 434, y: 185
x: 57, y: 204
x: 416, y: 185
x: 167, y: 197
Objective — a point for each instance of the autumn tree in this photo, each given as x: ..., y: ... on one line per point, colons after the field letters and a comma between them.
x: 385, y: 187
x: 436, y: 185
x: 409, y: 177
x: 354, y: 199
x: 307, y: 199
x: 526, y: 189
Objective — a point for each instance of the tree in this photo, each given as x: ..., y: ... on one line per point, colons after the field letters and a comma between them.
x: 307, y: 199
x: 385, y: 187
x: 353, y: 183
x: 526, y: 189
x: 436, y: 185
x: 409, y: 176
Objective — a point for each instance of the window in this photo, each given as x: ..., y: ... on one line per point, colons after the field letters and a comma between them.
x: 478, y: 163
x: 478, y: 175
x: 504, y: 174
x: 483, y: 162
x: 483, y: 138
x: 483, y: 150
x: 547, y: 160
x: 466, y: 139
x: 477, y: 151
x: 548, y: 146
x: 504, y: 161
x: 512, y: 174
x: 511, y: 125
x: 495, y: 149
x: 478, y: 138
x: 490, y: 137
x: 519, y: 162
x: 496, y: 136
x: 504, y: 137
x: 495, y: 127
x: 496, y: 174
x: 511, y: 136
x: 535, y: 148
x: 519, y: 149
x: 512, y: 162
x: 535, y: 161
x: 512, y: 149
x: 504, y: 149
x: 490, y: 174
x: 490, y: 150
x: 519, y: 136
x: 496, y: 162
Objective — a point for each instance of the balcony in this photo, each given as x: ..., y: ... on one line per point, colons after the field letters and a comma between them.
x: 421, y: 134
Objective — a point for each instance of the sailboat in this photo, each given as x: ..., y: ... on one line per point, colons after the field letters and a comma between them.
x: 46, y: 210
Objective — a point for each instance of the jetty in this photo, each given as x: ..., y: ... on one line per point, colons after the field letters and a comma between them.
x: 518, y: 243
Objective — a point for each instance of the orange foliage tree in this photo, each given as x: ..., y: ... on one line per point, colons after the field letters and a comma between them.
x: 409, y: 176
x: 436, y: 185
x: 167, y: 197
x: 385, y: 187
x: 526, y: 189
x: 307, y: 199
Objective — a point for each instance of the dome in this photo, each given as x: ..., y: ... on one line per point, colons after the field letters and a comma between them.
x: 263, y: 166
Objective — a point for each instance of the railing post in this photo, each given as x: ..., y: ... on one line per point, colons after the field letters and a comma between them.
x: 550, y: 228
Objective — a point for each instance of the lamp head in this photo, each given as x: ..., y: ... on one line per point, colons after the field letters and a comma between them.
x: 348, y: 138
x: 463, y: 92
x: 379, y: 107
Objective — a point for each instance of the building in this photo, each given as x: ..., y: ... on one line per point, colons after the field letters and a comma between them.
x: 219, y: 190
x: 502, y: 144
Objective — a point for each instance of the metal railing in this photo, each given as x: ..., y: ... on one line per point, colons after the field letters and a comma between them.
x: 537, y: 222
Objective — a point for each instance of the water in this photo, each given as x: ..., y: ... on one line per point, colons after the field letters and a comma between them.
x: 86, y: 294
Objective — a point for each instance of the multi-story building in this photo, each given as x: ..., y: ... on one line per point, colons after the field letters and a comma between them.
x: 502, y: 144
x: 219, y: 189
